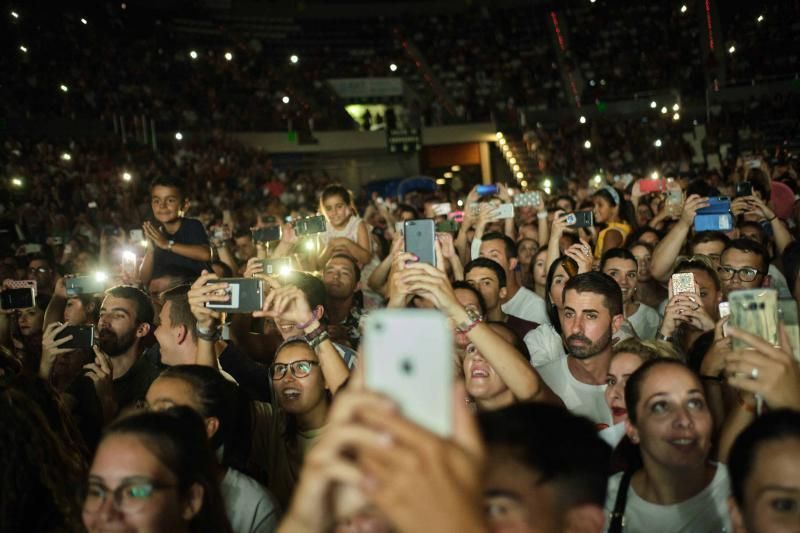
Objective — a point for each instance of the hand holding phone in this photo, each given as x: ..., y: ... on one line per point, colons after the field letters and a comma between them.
x: 237, y: 295
x: 420, y: 238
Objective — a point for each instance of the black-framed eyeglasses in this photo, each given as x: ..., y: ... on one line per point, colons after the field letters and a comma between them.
x: 745, y: 274
x: 300, y: 369
x: 129, y: 497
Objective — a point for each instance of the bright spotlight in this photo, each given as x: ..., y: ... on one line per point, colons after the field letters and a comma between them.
x: 587, y: 144
x: 441, y: 181
x: 15, y: 14
x: 760, y: 18
x: 448, y: 174
x: 23, y: 48
x: 732, y: 49
x: 193, y: 54
x: 547, y: 183
x: 84, y: 21
x: 100, y: 276
x: 178, y: 136
x: 513, y: 161
x: 664, y: 110
x: 455, y: 168
x: 126, y: 176
x: 676, y: 116
x: 499, y: 134
x: 16, y: 182
x: 683, y: 8
x: 653, y: 104
x: 63, y: 88
x: 460, y: 203
x: 294, y: 59
x: 393, y: 67
x: 228, y: 56
x: 66, y: 156
x: 519, y: 175
x: 675, y: 107
x: 657, y: 144
x: 285, y: 99
x: 309, y: 245
x: 582, y: 120
x: 523, y: 183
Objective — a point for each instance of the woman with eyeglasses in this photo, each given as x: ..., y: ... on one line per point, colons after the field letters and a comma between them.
x: 155, y: 472
x: 225, y: 411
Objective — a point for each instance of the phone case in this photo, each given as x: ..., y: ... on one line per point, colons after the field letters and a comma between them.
x: 419, y: 380
x: 310, y: 225
x: 277, y: 267
x: 246, y: 295
x: 268, y: 234
x: 682, y: 282
x: 527, y: 198
x: 504, y: 211
x: 82, y: 337
x: 419, y: 240
x: 84, y: 285
x: 755, y: 311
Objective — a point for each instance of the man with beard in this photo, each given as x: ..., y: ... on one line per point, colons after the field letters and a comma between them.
x: 126, y: 317
x: 592, y: 314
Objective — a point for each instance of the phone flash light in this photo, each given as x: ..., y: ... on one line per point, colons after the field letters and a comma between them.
x: 128, y: 256
x: 285, y: 270
x: 143, y: 243
x: 309, y: 245
x: 100, y: 276
x: 126, y: 176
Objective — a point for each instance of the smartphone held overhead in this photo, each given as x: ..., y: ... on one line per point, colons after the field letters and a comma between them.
x: 420, y: 239
x: 243, y: 295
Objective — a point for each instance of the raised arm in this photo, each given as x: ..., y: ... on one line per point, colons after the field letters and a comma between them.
x: 669, y: 248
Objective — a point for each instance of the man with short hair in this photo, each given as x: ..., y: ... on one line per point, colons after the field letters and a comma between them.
x: 343, y: 310
x: 592, y: 314
x: 744, y: 264
x: 519, y: 301
x: 126, y: 318
x: 178, y: 344
x: 546, y: 469
x: 489, y: 278
x: 40, y: 268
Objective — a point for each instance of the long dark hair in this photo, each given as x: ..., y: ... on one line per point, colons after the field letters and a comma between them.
x: 224, y: 401
x: 38, y: 471
x: 626, y: 213
x: 177, y: 437
x: 571, y: 268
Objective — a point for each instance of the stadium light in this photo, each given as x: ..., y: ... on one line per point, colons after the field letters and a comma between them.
x: 84, y: 21
x: 294, y: 59
x: 66, y: 156
x: 63, y: 88
x: 15, y: 14
x: 587, y: 144
x: 683, y: 8
x: 657, y: 144
x: 523, y: 183
x: 676, y: 116
x: 732, y: 49
x: 393, y: 67
x: 178, y: 136
x: 228, y: 56
x: 664, y: 110
x: 193, y: 54
x: 760, y: 18
x: 582, y: 120
x: 676, y: 107
x: 441, y: 181
x: 16, y: 182
x: 513, y: 160
x: 448, y: 174
x: 653, y: 104
x: 455, y: 168
x: 499, y: 134
x: 23, y: 48
x: 126, y: 176
x: 519, y: 175
x: 285, y: 99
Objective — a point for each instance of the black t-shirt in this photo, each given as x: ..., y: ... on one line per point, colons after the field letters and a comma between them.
x: 252, y: 376
x: 132, y: 387
x: 191, y: 231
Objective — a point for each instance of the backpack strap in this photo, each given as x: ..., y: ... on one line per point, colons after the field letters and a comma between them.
x: 618, y: 514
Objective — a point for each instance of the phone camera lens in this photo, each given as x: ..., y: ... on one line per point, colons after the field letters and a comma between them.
x: 407, y: 366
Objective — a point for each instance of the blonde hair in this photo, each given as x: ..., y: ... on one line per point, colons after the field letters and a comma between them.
x: 647, y: 350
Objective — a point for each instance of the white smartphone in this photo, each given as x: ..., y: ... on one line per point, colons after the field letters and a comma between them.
x: 504, y: 211
x: 442, y: 209
x: 415, y: 370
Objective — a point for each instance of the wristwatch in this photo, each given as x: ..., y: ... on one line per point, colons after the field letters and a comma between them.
x: 661, y: 337
x: 473, y: 318
x: 170, y: 244
x: 212, y: 335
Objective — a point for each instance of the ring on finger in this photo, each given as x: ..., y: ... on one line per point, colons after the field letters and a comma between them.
x: 754, y: 373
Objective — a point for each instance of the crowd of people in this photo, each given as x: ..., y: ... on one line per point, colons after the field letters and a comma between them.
x: 200, y: 69
x: 590, y: 391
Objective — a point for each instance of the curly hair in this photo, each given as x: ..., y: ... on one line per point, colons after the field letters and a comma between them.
x: 37, y: 472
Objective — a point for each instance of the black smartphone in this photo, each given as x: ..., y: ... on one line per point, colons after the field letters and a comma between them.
x: 268, y: 234
x: 82, y: 337
x: 84, y: 285
x: 447, y: 226
x: 744, y: 188
x: 419, y: 238
x: 245, y: 295
x: 17, y: 298
x: 309, y: 225
x: 279, y: 266
x: 580, y: 219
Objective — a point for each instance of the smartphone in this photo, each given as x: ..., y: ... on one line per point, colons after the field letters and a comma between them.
x: 419, y: 381
x: 82, y: 337
x: 716, y: 216
x: 398, y: 227
x: 309, y: 225
x: 22, y: 298
x: 92, y: 205
x: 682, y: 282
x: 580, y: 219
x: 744, y: 188
x: 527, y: 198
x: 419, y: 238
x: 788, y: 314
x: 674, y: 202
x: 85, y: 285
x: 245, y: 295
x: 129, y: 263
x: 32, y: 248
x: 724, y: 309
x: 487, y: 190
x: 754, y: 163
x: 268, y: 234
x: 652, y: 185
x: 504, y: 211
x: 442, y: 209
x: 279, y: 266
x: 447, y: 226
x: 756, y: 312
x: 136, y: 235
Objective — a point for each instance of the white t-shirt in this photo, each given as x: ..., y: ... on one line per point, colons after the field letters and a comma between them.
x: 645, y: 322
x: 705, y: 512
x: 544, y: 344
x: 580, y: 398
x: 249, y: 506
x: 527, y: 305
